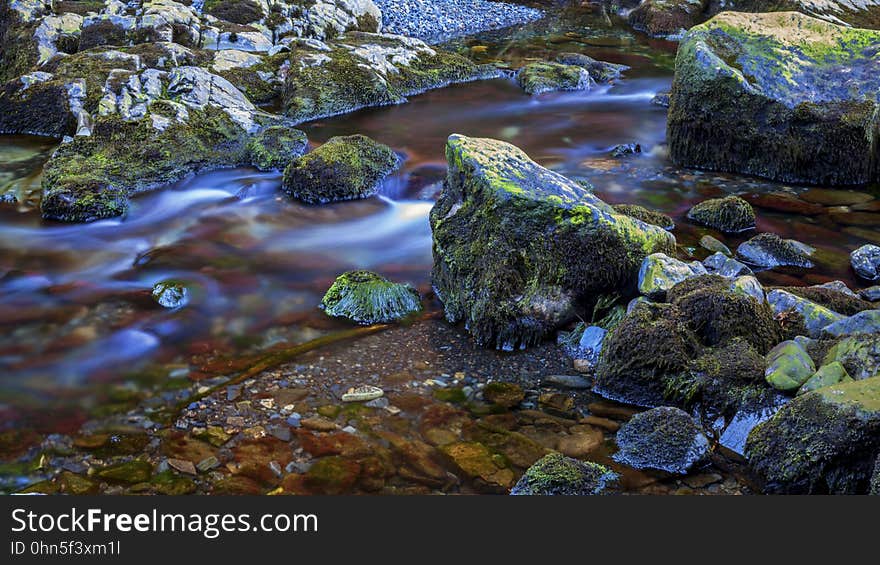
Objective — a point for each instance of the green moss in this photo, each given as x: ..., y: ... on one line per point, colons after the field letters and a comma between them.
x: 730, y: 214
x: 276, y: 146
x: 452, y: 395
x: 332, y: 475
x: 344, y: 168
x: 235, y: 11
x: 556, y: 474
x: 503, y: 394
x: 367, y: 298
x: 537, y: 78
x: 648, y: 216
x: 833, y: 300
x: 135, y: 471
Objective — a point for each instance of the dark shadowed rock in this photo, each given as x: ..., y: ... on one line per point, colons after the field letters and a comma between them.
x: 768, y: 250
x: 665, y: 439
x: 731, y: 214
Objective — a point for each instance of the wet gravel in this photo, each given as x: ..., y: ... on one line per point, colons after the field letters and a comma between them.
x: 436, y: 21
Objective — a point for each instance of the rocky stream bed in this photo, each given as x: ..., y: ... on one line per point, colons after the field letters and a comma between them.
x: 429, y: 247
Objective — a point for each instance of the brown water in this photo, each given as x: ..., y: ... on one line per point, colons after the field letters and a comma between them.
x: 78, y: 329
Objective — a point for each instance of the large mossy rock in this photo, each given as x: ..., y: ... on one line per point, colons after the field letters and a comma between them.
x: 825, y: 441
x: 762, y: 94
x: 538, y: 78
x: 664, y: 439
x: 863, y: 13
x: 517, y: 247
x: 362, y: 70
x: 557, y: 475
x: 344, y: 168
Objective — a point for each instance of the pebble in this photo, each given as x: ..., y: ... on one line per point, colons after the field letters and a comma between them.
x: 362, y: 393
x: 207, y: 464
x: 183, y: 466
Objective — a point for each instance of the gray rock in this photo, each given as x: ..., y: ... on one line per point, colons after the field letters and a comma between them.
x: 865, y: 322
x: 816, y: 317
x: 866, y: 262
x: 748, y: 285
x: 659, y: 272
x: 768, y: 250
x: 720, y: 264
x: 170, y: 294
x: 714, y: 245
x: 567, y: 381
x: 590, y: 345
x: 871, y: 294
x: 666, y: 439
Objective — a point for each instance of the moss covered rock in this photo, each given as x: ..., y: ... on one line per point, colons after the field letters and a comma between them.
x: 768, y: 250
x: 276, y: 146
x: 652, y: 217
x: 731, y: 214
x: 665, y: 439
x: 537, y: 78
x: 667, y: 17
x: 555, y: 474
x: 859, y: 354
x: 825, y: 441
x: 788, y: 366
x: 827, y: 375
x: 569, y: 245
x: 361, y: 70
x: 344, y: 168
x: 658, y: 273
x: 367, y: 298
x: 600, y: 71
x: 815, y: 317
x: 866, y: 262
x: 865, y: 13
x: 760, y: 94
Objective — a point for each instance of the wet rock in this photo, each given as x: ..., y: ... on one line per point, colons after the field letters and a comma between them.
x: 363, y: 393
x: 713, y: 245
x: 731, y: 214
x: 625, y: 149
x: 750, y: 286
x: 872, y: 294
x: 665, y: 439
x: 728, y: 267
x: 815, y: 317
x: 276, y: 146
x: 667, y: 17
x: 590, y: 344
x: 344, y: 168
x: 866, y: 322
x: 768, y: 250
x: 556, y: 474
x: 503, y: 394
x: 367, y: 298
x: 170, y: 294
x: 538, y: 78
x: 825, y: 441
x: 360, y: 70
x: 567, y: 381
x: 475, y: 461
x: 77, y: 485
x: 661, y: 99
x: 495, y: 193
x: 827, y: 375
x: 866, y: 262
x: 753, y: 96
x: 131, y: 472
x: 875, y: 478
x: 659, y: 273
x: 580, y: 443
x: 652, y: 217
x: 859, y: 354
x: 600, y: 71
x: 834, y: 296
x: 788, y: 366
x: 332, y: 475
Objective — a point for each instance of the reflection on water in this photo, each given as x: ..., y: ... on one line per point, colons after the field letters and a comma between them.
x: 74, y: 299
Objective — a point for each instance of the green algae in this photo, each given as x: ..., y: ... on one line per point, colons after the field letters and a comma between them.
x: 368, y: 298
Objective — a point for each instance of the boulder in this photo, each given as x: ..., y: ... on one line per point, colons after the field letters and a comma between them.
x: 664, y: 439
x: 538, y: 78
x: 761, y: 94
x: 659, y: 272
x: 663, y: 18
x: 866, y: 322
x: 570, y: 246
x: 824, y: 442
x: 866, y: 262
x: 360, y: 70
x: 600, y: 71
x: 731, y: 214
x: 768, y: 250
x: 864, y: 13
x: 556, y: 474
x: 815, y: 316
x: 859, y: 354
x: 367, y: 298
x: 827, y: 375
x: 652, y: 217
x: 788, y: 366
x: 344, y: 168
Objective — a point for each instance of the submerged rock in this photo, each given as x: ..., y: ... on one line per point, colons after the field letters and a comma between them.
x: 556, y: 474
x: 665, y: 439
x: 170, y: 294
x: 659, y: 272
x: 538, y: 78
x: 625, y: 149
x: 768, y: 250
x: 760, y: 94
x: 570, y: 245
x: 866, y: 262
x: 731, y: 214
x: 667, y: 17
x: 344, y: 168
x: 367, y: 298
x: 714, y: 245
x: 789, y: 366
x: 600, y: 71
x: 825, y: 441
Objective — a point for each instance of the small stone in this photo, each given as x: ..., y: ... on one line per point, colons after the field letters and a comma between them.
x: 319, y: 424
x: 731, y: 214
x: 555, y: 474
x: 580, y: 444
x: 182, y: 465
x: 367, y: 298
x: 557, y: 404
x: 294, y: 420
x: 866, y: 262
x: 170, y: 294
x: 625, y: 149
x: 768, y: 250
x: 582, y: 365
x: 871, y: 294
x: 207, y: 464
x: 362, y: 394
x: 503, y: 394
x: 702, y: 480
x: 713, y: 245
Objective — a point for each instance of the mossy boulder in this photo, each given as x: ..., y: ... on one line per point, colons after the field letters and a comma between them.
x: 768, y: 250
x: 360, y: 70
x: 835, y: 298
x: 518, y: 247
x: 859, y: 354
x: 235, y: 11
x: 664, y: 439
x: 276, y: 146
x: 658, y: 273
x: 667, y: 17
x: 761, y: 94
x: 538, y: 78
x: 730, y: 214
x: 863, y: 323
x: 555, y: 474
x: 601, y: 72
x: 815, y: 317
x: 646, y: 215
x: 368, y: 298
x: 824, y: 442
x: 789, y: 366
x: 344, y: 168
x: 865, y: 13
x: 827, y: 375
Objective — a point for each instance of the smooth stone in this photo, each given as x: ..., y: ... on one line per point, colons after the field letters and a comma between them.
x: 714, y: 245
x: 788, y: 366
x: 826, y: 375
x: 567, y: 381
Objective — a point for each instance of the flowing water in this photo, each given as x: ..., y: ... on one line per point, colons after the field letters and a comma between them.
x: 76, y: 318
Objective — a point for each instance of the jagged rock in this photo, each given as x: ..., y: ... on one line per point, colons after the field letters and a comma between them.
x: 665, y: 439
x: 497, y: 199
x: 768, y: 250
x: 866, y: 262
x: 760, y: 94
